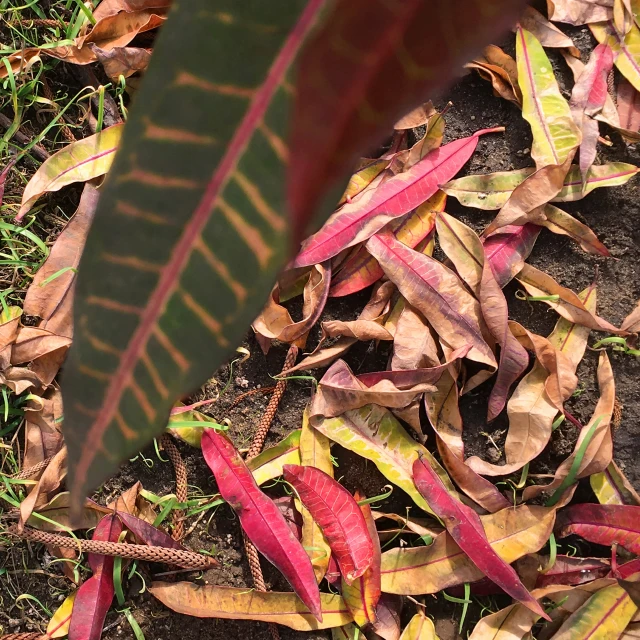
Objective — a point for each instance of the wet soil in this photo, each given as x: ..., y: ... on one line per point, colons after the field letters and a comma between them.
x: 614, y: 215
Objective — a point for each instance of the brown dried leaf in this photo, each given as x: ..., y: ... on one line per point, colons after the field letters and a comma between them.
x: 122, y: 61
x: 579, y: 12
x: 548, y: 34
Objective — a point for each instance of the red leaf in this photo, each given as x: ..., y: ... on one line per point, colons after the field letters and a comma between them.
x: 96, y: 594
x: 359, y: 220
x: 385, y: 70
x: 260, y: 518
x: 465, y: 527
x: 573, y: 571
x: 507, y: 250
x: 338, y: 515
x: 603, y: 524
x: 147, y: 533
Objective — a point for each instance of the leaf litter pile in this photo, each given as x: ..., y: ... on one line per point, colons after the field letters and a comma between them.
x: 429, y: 466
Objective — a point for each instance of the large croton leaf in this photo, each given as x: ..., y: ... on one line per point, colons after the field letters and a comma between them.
x: 192, y: 224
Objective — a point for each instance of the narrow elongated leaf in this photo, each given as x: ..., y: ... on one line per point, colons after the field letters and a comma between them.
x: 339, y: 517
x: 397, y: 196
x: 612, y: 487
x: 492, y: 190
x: 512, y: 533
x: 209, y: 601
x: 268, y: 464
x: 147, y: 533
x: 393, y: 68
x: 362, y: 178
x: 261, y: 520
x: 555, y: 135
x: 419, y: 628
x: 373, y: 433
x: 632, y: 321
x: 626, y: 48
x: 561, y: 222
x: 506, y: 251
x: 572, y: 571
x: 58, y: 626
x: 604, y: 615
x: 315, y: 451
x: 94, y: 597
x: 362, y: 269
x: 547, y: 34
x: 78, y: 162
x: 363, y: 594
x: 604, y: 524
x: 578, y: 12
x: 465, y: 527
x: 437, y: 293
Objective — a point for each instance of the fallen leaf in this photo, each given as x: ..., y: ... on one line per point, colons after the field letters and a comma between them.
x: 512, y: 533
x: 599, y: 451
x: 420, y: 526
x: 492, y: 190
x: 555, y: 135
x: 315, y: 451
x: 632, y: 322
x: 50, y: 294
x: 568, y: 305
x: 362, y: 596
x: 361, y: 269
x: 547, y: 34
x: 388, y: 611
x: 340, y: 390
x: 628, y: 100
x: 443, y: 413
x: 338, y: 515
x: 346, y: 632
x: 58, y: 626
x: 578, y: 12
x: 362, y: 178
x: 560, y: 222
x: 400, y: 194
x: 268, y: 464
x: 121, y: 61
x: 57, y: 511
x: 437, y: 293
x: 413, y: 344
x: 507, y: 250
x: 416, y: 117
x: 500, y: 69
x: 604, y: 615
x: 612, y: 487
x: 239, y: 603
x: 626, y: 49
x: 261, y: 520
x: 79, y: 161
x: 570, y: 570
x: 94, y: 597
x: 587, y: 100
x: 373, y: 433
x: 419, y: 628
x: 111, y: 7
x: 146, y: 533
x: 184, y: 426
x: 275, y: 321
x: 465, y: 527
x: 604, y: 524
x: 430, y: 141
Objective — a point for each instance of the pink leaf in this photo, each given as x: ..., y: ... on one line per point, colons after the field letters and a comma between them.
x: 338, y: 515
x: 260, y: 518
x: 465, y: 527
x: 507, y: 250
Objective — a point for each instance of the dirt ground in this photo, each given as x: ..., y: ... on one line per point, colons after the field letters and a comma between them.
x: 614, y: 215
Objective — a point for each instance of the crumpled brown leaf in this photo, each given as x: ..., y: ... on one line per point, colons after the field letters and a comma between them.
x: 548, y: 34
x: 122, y: 61
x: 43, y: 437
x: 579, y: 12
x: 632, y: 322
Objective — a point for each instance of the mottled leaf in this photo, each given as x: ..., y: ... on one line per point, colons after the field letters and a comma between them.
x: 261, y: 520
x: 79, y: 161
x: 555, y: 135
x: 373, y: 433
x: 492, y: 190
x: 338, y: 515
x: 512, y: 533
x: 239, y: 603
x: 465, y: 527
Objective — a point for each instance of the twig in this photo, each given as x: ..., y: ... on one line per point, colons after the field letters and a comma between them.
x: 178, y: 557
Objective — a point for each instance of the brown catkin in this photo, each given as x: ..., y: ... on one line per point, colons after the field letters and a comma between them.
x: 178, y: 557
x: 254, y: 450
x: 49, y: 95
x: 181, y: 484
x: 24, y: 636
x: 29, y: 472
x: 38, y: 22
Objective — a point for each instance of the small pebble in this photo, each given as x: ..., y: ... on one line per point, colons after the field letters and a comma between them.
x: 527, y: 150
x: 473, y: 117
x: 61, y: 597
x: 13, y: 622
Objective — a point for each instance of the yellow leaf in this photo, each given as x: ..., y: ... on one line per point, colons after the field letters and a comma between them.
x: 58, y: 626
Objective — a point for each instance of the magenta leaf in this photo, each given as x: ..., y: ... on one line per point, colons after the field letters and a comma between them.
x: 260, y: 518
x: 573, y: 571
x: 358, y: 221
x: 147, y: 533
x: 507, y: 250
x: 94, y: 597
x: 604, y: 524
x: 465, y: 527
x: 338, y: 515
